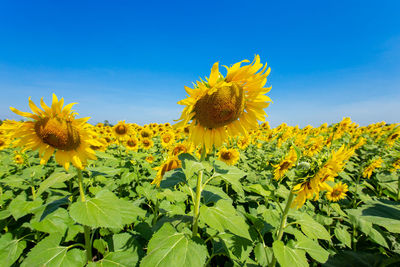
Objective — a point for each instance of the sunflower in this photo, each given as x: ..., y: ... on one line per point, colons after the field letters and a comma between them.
x: 226, y: 106
x: 149, y: 158
x: 243, y: 142
x: 167, y: 138
x: 132, y: 144
x: 306, y: 189
x: 168, y: 165
x: 229, y: 156
x: 370, y: 169
x: 285, y: 164
x: 337, y: 193
x: 3, y: 142
x: 180, y: 148
x: 146, y: 133
x: 396, y: 165
x: 56, y: 129
x: 147, y: 143
x: 121, y: 129
x: 19, y: 159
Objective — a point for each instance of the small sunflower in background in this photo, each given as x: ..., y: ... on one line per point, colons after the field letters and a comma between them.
x: 226, y: 106
x: 288, y: 162
x: 179, y: 148
x: 132, y: 144
x: 150, y: 158
x: 146, y: 143
x: 229, y: 156
x: 55, y: 129
x: 243, y: 142
x: 19, y: 158
x: 167, y: 138
x: 367, y: 173
x: 121, y: 130
x: 3, y: 142
x: 146, y: 133
x: 337, y: 193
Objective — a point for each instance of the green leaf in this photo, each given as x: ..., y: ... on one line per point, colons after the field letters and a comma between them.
x: 343, y: 235
x: 311, y: 228
x: 20, y: 207
x: 190, y: 165
x: 53, y: 179
x: 263, y: 254
x: 127, y: 178
x: 258, y: 189
x: 167, y: 247
x: 234, y: 247
x: 366, y: 227
x: 383, y: 213
x: 10, y: 249
x: 289, y: 257
x: 312, y: 248
x: 105, y: 210
x: 56, y: 222
x: 231, y: 175
x: 48, y: 252
x: 105, y: 171
x: 223, y: 216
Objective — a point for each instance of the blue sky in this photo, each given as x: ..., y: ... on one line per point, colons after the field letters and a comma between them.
x: 128, y: 60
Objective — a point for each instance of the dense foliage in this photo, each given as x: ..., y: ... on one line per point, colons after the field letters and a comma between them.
x: 255, y: 204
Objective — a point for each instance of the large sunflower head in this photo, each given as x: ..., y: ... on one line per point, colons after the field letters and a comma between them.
x: 226, y: 106
x: 55, y: 129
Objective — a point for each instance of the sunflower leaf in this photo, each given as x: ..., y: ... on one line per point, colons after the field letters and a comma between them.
x: 105, y: 210
x: 168, y: 247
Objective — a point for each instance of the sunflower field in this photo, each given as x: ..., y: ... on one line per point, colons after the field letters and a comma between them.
x: 218, y: 188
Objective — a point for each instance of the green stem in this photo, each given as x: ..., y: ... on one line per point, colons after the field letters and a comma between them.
x: 283, y: 223
x: 398, y: 189
x: 88, y: 245
x: 199, y: 188
x: 33, y: 192
x: 354, y: 237
x: 196, y: 210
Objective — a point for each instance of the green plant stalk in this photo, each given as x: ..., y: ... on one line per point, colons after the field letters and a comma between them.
x: 196, y: 210
x: 199, y: 188
x: 88, y: 245
x: 33, y: 192
x: 283, y: 223
x: 398, y: 189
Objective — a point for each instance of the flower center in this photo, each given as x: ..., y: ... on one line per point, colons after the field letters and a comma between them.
x: 166, y: 139
x: 146, y: 143
x: 1, y: 142
x: 121, y: 129
x: 145, y: 134
x: 221, y: 107
x: 285, y: 165
x: 131, y: 143
x: 226, y: 155
x: 335, y: 193
x: 58, y: 133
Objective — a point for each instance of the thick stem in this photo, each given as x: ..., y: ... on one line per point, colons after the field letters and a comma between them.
x: 283, y: 223
x: 398, y: 189
x: 199, y: 188
x: 33, y: 192
x: 88, y: 245
x: 196, y: 210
